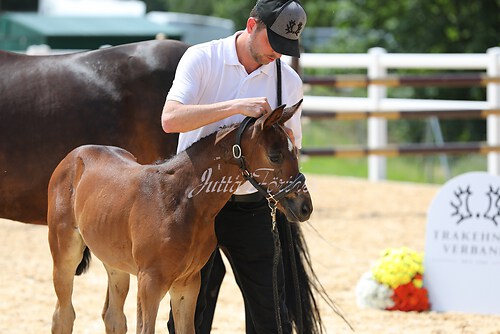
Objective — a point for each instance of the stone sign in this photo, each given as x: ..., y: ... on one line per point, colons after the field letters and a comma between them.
x: 462, y: 250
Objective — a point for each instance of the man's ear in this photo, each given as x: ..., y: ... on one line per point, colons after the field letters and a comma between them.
x: 251, y: 23
x: 289, y: 112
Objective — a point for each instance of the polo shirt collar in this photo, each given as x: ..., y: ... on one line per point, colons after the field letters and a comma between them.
x: 231, y: 58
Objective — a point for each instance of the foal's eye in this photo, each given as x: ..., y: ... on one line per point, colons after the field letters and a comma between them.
x: 276, y: 158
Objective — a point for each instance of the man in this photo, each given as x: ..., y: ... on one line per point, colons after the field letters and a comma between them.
x: 219, y: 83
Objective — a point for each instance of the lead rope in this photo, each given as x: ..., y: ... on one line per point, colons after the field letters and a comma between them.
x: 277, y: 250
x: 291, y: 251
x: 276, y: 236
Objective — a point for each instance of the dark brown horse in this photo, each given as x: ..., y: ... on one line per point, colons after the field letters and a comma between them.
x: 50, y: 105
x: 152, y: 221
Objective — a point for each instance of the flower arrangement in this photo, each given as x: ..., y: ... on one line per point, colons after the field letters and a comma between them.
x: 395, y: 282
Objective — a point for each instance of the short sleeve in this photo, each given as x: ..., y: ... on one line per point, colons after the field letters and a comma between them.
x: 188, y: 81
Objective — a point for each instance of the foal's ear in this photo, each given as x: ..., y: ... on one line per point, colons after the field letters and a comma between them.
x: 289, y: 112
x: 267, y: 120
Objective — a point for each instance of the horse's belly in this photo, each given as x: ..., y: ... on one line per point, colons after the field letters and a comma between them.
x: 106, y: 235
x: 112, y: 252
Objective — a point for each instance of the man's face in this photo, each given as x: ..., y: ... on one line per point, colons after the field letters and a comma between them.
x: 259, y: 46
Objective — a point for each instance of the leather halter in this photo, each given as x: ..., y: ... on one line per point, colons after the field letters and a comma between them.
x: 238, y: 155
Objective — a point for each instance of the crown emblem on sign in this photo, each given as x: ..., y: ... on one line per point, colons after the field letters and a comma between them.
x: 461, y: 207
x: 493, y: 211
x: 463, y: 212
x: 291, y: 29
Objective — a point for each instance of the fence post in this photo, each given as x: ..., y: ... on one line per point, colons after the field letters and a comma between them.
x: 377, y: 127
x: 493, y: 121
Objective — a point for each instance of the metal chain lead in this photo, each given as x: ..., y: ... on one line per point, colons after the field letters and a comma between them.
x: 272, y: 205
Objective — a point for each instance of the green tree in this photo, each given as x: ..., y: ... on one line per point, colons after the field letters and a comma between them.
x: 421, y: 26
x: 320, y: 12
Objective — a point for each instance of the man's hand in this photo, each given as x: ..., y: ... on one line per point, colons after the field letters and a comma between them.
x: 252, y: 107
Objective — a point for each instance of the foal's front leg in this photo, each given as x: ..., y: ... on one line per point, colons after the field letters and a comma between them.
x: 183, y: 297
x: 151, y: 289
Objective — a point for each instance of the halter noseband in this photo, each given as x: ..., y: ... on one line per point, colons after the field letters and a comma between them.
x: 238, y: 154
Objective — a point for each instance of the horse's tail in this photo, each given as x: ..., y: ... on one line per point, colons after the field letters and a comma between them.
x: 85, y: 263
x: 302, y: 284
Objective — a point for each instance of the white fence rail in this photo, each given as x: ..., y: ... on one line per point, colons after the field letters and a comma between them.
x: 377, y: 64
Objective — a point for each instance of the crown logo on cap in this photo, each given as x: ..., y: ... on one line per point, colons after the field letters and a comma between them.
x: 290, y: 27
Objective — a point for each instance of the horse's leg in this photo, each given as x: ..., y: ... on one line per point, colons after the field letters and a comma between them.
x: 183, y: 297
x: 112, y: 313
x: 150, y: 291
x: 66, y: 246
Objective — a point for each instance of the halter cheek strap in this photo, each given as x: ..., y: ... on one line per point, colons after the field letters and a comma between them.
x: 238, y: 155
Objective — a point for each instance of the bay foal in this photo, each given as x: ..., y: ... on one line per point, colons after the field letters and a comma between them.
x: 157, y: 221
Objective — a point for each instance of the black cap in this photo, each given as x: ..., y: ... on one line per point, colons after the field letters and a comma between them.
x: 285, y: 20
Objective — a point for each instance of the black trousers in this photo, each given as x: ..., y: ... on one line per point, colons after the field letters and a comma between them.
x: 244, y: 234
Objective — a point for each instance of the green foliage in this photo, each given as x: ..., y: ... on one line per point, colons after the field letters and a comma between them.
x: 320, y: 13
x: 238, y: 11
x: 436, y: 26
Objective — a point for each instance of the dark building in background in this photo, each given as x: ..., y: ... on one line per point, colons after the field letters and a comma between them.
x: 18, y: 5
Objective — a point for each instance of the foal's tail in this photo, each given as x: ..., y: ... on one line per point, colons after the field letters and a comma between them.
x: 85, y: 263
x: 302, y: 284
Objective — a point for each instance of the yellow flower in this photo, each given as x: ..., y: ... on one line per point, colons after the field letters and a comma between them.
x: 398, y: 266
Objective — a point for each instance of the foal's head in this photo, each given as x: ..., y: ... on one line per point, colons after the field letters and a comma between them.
x: 271, y: 158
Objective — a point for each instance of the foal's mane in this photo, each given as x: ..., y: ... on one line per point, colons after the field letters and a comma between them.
x: 177, y: 157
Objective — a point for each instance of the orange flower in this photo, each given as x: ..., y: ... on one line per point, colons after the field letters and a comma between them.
x: 409, y: 297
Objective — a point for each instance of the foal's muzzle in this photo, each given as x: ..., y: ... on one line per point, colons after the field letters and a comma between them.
x: 297, y: 207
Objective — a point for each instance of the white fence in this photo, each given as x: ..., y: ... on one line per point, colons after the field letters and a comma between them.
x: 377, y: 63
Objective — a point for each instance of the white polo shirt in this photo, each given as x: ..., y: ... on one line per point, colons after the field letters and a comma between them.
x: 211, y: 72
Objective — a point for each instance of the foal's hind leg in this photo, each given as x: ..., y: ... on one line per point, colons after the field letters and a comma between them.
x: 66, y: 246
x: 183, y: 297
x: 112, y: 314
